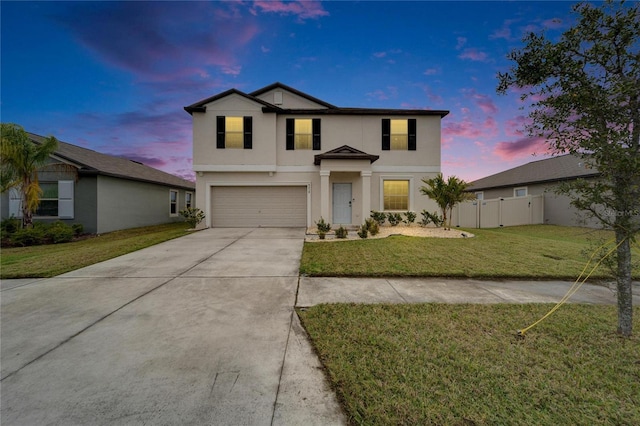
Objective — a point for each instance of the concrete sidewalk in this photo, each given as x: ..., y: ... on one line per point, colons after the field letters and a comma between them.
x: 313, y: 291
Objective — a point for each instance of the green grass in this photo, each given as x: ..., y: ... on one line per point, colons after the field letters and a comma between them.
x: 51, y: 260
x: 464, y: 365
x: 527, y: 252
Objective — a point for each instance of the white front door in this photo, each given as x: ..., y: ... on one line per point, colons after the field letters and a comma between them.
x: 341, y: 203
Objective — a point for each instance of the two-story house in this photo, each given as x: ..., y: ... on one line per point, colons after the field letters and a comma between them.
x: 280, y: 157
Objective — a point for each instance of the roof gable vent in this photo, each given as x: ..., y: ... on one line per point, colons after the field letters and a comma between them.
x: 277, y: 98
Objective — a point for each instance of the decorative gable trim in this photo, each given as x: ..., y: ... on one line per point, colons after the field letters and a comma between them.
x: 345, y: 152
x: 278, y: 85
x: 200, y: 106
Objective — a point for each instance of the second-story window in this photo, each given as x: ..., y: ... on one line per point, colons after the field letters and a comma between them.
x: 303, y: 133
x: 399, y: 134
x: 234, y: 132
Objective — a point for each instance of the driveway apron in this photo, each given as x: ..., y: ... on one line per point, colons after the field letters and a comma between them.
x: 198, y: 330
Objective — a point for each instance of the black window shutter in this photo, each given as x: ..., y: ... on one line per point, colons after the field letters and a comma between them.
x: 248, y: 129
x: 220, y: 132
x: 290, y: 130
x: 411, y: 125
x: 316, y: 133
x: 386, y: 134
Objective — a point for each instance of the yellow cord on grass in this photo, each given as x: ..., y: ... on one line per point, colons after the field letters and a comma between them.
x: 576, y: 285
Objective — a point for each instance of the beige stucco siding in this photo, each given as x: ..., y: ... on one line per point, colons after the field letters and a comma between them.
x: 364, y: 133
x: 205, y: 153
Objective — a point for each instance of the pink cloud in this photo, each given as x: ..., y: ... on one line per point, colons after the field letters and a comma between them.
x: 521, y: 148
x: 473, y: 55
x: 302, y: 9
x: 384, y: 94
x: 504, y: 31
x: 484, y: 102
x: 431, y: 71
x: 149, y: 39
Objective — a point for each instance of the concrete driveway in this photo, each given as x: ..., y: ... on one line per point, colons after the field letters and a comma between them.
x: 198, y: 330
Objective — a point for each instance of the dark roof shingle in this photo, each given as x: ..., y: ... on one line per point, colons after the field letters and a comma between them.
x: 92, y: 162
x: 552, y: 169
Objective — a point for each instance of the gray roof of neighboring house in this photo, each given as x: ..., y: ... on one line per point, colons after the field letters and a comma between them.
x: 552, y: 169
x: 200, y: 106
x: 92, y: 162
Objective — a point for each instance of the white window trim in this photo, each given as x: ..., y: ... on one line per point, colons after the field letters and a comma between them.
x: 479, y: 195
x: 398, y: 177
x: 177, y: 202
x: 192, y: 199
x: 515, y: 190
x: 65, y: 201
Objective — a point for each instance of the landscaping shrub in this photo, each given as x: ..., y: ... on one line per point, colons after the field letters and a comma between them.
x: 363, y: 232
x: 40, y: 233
x: 59, y: 232
x: 372, y: 226
x: 78, y: 229
x: 428, y: 218
x: 394, y: 218
x: 410, y: 218
x: 28, y: 237
x: 9, y: 226
x: 193, y: 216
x: 323, y: 227
x: 342, y: 232
x: 379, y: 217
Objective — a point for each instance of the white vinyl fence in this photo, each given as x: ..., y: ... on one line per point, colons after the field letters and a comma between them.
x: 498, y: 212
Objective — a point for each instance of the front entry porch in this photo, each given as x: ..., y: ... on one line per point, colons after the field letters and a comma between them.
x: 345, y: 185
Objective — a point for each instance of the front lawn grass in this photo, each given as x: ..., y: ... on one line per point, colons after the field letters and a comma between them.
x: 527, y: 252
x: 55, y: 259
x: 464, y: 365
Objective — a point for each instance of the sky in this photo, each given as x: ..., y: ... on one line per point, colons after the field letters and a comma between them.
x: 114, y: 76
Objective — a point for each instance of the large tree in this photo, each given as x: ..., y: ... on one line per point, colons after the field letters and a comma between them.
x: 21, y: 159
x: 583, y: 91
x: 446, y: 193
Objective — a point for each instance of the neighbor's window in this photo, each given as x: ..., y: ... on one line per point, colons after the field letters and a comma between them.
x: 480, y: 195
x: 234, y: 132
x: 396, y: 194
x: 48, y: 200
x: 173, y: 202
x: 188, y: 197
x: 520, y: 192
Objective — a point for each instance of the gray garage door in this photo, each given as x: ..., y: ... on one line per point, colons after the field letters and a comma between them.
x: 251, y: 206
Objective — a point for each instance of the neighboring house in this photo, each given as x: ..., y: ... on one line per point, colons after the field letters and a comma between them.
x: 107, y: 194
x: 279, y: 157
x: 539, y: 178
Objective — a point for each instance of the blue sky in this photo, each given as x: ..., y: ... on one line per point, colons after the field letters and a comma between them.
x: 114, y: 76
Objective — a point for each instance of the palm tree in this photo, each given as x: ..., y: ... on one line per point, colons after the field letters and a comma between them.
x: 21, y: 160
x: 446, y: 194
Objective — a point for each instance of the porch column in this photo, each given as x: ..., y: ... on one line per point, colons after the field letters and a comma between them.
x: 366, y: 194
x: 324, y: 194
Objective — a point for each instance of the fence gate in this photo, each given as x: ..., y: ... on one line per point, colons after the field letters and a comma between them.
x: 498, y: 212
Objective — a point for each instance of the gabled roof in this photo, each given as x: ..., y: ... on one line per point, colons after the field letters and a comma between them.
x: 345, y: 152
x: 200, y: 105
x: 90, y: 162
x: 554, y: 169
x: 330, y: 109
x: 278, y: 85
